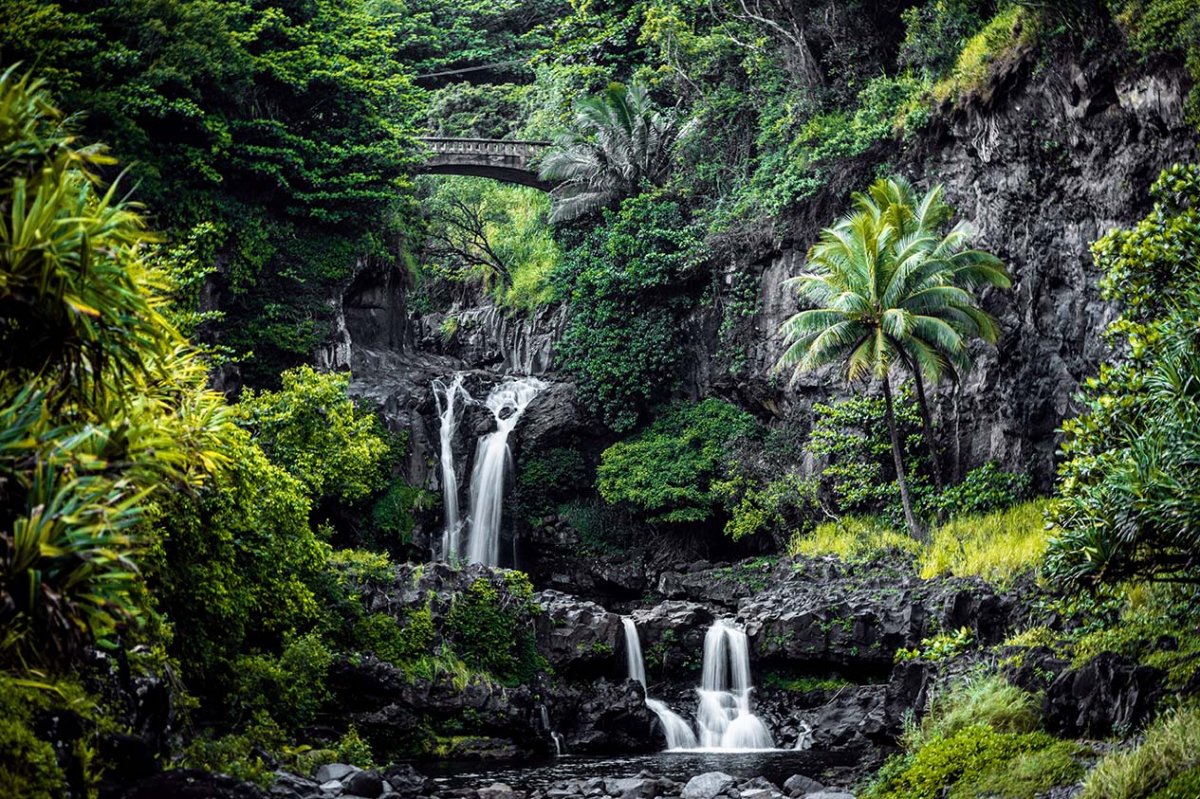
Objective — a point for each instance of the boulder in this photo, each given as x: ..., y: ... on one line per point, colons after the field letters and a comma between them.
x: 800, y: 785
x: 367, y: 784
x: 1107, y: 694
x: 498, y: 790
x: 573, y: 633
x: 333, y: 771
x: 708, y: 786
x: 632, y: 788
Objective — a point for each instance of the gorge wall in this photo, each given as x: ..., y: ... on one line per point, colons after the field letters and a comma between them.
x: 1059, y: 154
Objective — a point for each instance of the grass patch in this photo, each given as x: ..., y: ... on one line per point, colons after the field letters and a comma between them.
x: 996, y: 546
x: 779, y: 681
x: 1170, y: 750
x: 986, y: 700
x: 853, y: 538
x: 1001, y: 44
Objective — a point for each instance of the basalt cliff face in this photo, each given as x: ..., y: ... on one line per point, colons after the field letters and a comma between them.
x: 1060, y: 155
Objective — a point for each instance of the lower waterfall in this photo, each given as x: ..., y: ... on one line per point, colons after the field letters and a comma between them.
x: 447, y: 397
x: 724, y: 717
x: 507, y: 402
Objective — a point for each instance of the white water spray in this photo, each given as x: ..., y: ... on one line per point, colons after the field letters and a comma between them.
x: 677, y: 731
x: 506, y: 402
x: 724, y: 716
x: 447, y: 397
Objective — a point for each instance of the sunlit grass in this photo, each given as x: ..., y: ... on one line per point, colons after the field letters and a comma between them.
x: 996, y: 546
x: 853, y: 538
x: 1171, y: 747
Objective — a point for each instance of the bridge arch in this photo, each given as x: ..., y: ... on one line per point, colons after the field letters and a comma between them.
x: 499, y: 159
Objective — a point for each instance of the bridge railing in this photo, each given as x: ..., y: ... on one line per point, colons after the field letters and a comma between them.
x: 447, y: 146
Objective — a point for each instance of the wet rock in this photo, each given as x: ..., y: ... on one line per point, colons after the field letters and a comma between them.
x: 407, y: 781
x: 604, y: 718
x: 800, y: 785
x: 332, y: 788
x: 574, y: 633
x: 1109, y: 693
x: 632, y: 788
x: 708, y: 786
x: 498, y: 790
x: 292, y: 786
x: 333, y: 771
x: 364, y: 783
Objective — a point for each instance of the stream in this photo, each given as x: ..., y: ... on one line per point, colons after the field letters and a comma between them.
x: 775, y: 765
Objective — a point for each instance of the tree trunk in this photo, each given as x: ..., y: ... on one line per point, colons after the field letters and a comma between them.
x: 914, y: 529
x: 935, y: 460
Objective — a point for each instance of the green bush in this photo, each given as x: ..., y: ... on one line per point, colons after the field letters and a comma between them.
x: 312, y: 429
x: 985, y: 489
x: 628, y: 287
x: 997, y: 47
x: 28, y: 765
x: 1156, y: 27
x: 549, y: 477
x: 392, y: 514
x: 1184, y: 786
x: 1028, y: 775
x: 289, y: 688
x: 986, y: 699
x: 787, y: 502
x: 936, y: 32
x: 492, y: 630
x: 398, y: 643
x: 667, y: 472
x: 1170, y: 749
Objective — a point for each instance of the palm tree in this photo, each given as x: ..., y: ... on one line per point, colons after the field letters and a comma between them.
x: 894, y: 201
x: 884, y: 290
x: 620, y: 141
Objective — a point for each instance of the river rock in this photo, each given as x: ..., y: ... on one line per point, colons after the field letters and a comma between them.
x: 574, y: 633
x: 498, y: 790
x: 632, y: 788
x: 830, y: 795
x: 333, y: 771
x: 800, y: 785
x: 364, y: 783
x: 407, y: 781
x: 708, y: 785
x: 602, y: 717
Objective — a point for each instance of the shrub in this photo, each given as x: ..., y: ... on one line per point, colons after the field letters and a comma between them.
x: 28, y: 765
x: 392, y: 514
x: 548, y: 477
x: 394, y: 642
x: 940, y: 647
x: 1170, y: 749
x: 492, y: 631
x: 312, y: 429
x: 1027, y: 775
x: 1185, y: 786
x: 1165, y: 26
x: 352, y: 749
x: 997, y: 547
x: 790, y: 500
x: 667, y: 472
x: 935, y: 33
x: 987, y: 699
x: 985, y: 489
x: 289, y: 688
x: 853, y: 538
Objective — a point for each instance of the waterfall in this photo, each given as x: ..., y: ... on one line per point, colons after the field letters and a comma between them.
x: 724, y: 716
x: 679, y: 735
x: 554, y: 736
x: 506, y: 402
x: 447, y: 402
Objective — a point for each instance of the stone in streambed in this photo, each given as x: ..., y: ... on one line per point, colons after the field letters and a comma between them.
x: 332, y: 788
x: 367, y: 784
x: 830, y: 795
x: 333, y: 771
x: 498, y: 790
x: 800, y: 785
x: 708, y: 786
x: 632, y: 788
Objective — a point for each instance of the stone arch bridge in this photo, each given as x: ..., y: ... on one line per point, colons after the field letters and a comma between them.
x: 499, y: 159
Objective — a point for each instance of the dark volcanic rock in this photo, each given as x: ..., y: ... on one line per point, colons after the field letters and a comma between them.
x: 193, y: 784
x: 604, y: 718
x: 1110, y: 693
x: 575, y: 634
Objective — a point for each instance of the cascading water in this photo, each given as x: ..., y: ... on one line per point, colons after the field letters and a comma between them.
x: 679, y: 734
x: 506, y: 402
x: 447, y: 399
x: 724, y: 717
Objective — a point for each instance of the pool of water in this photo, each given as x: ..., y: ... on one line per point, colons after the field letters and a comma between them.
x: 776, y: 765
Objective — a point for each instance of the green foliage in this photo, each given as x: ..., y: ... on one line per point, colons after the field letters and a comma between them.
x: 392, y: 515
x: 985, y: 489
x: 399, y: 644
x: 998, y: 47
x: 285, y: 126
x: 234, y: 563
x: 482, y: 231
x: 28, y: 765
x: 667, y: 472
x: 312, y: 429
x: 627, y: 284
x: 1170, y: 749
x: 997, y: 546
x: 548, y: 477
x: 980, y: 699
x: 492, y: 632
x: 238, y: 754
x: 619, y: 143
x: 942, y: 646
x: 478, y: 110
x: 790, y: 500
x: 853, y: 539
x: 1184, y: 786
x: 289, y: 688
x: 101, y: 400
x: 1158, y: 27
x: 352, y: 749
x: 935, y: 33
x: 851, y: 435
x: 1155, y: 626
x: 775, y: 681
x: 1129, y: 490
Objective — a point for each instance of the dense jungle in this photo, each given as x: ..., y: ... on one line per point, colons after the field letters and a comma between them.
x: 600, y: 399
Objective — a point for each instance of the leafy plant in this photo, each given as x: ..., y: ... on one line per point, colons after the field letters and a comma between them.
x: 1171, y: 748
x: 667, y: 472
x: 985, y: 489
